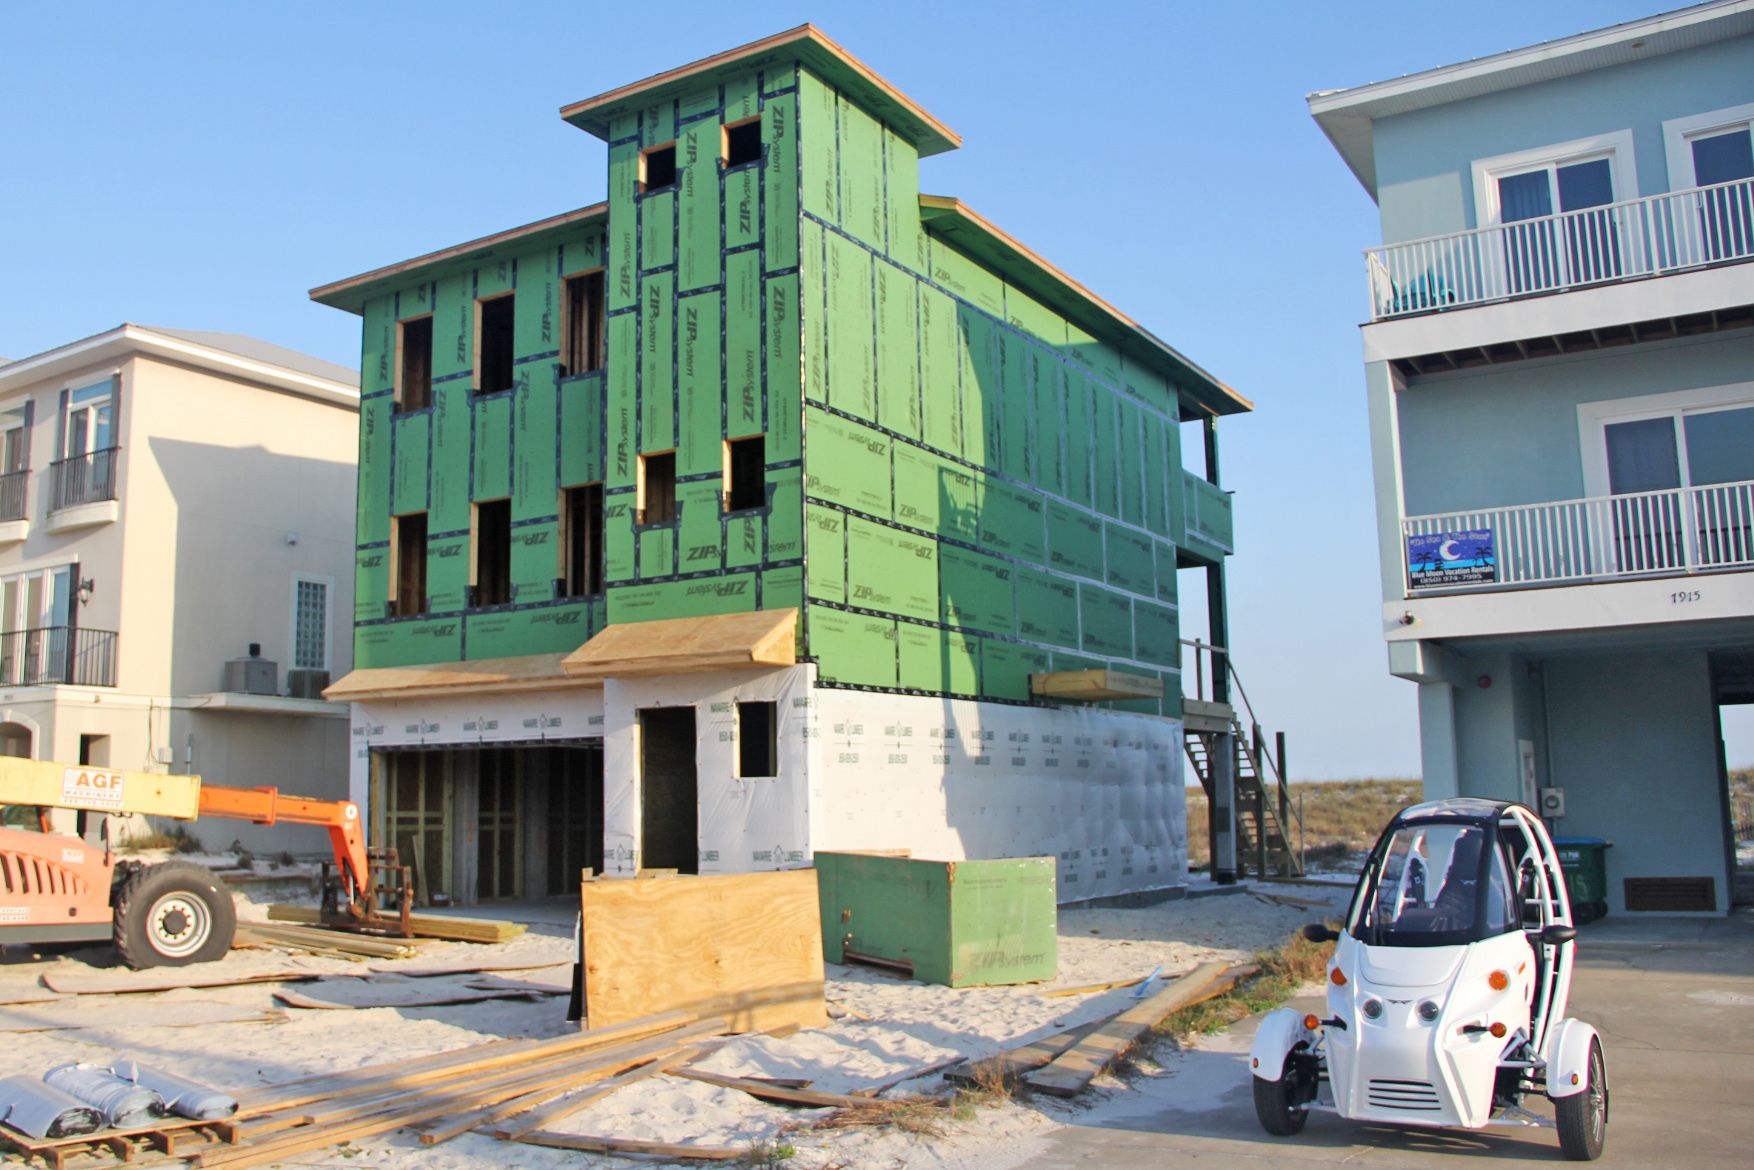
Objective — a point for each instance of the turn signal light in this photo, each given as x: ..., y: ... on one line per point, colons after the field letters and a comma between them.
x: 1311, y: 1022
x: 1497, y: 1030
x: 1498, y: 980
x: 1337, y: 977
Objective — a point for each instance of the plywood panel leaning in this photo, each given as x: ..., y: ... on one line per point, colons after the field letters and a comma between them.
x: 747, y: 947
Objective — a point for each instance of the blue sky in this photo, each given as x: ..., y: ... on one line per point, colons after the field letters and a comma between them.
x: 203, y: 165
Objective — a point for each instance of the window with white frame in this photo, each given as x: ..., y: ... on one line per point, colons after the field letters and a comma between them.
x: 1547, y: 202
x: 15, y: 439
x: 89, y: 425
x: 1712, y: 154
x: 310, y: 623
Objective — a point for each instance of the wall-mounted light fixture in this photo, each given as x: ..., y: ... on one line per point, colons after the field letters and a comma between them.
x: 86, y: 585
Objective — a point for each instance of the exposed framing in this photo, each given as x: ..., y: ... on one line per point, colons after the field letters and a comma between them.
x: 480, y: 315
x: 563, y: 553
x: 1678, y: 134
x: 397, y: 393
x: 599, y: 355
x: 725, y: 449
x: 725, y: 129
x: 644, y: 159
x: 640, y: 501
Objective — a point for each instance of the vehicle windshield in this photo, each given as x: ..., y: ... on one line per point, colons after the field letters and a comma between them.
x: 1434, y: 884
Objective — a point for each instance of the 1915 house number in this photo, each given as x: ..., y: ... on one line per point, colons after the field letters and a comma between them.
x: 1684, y: 597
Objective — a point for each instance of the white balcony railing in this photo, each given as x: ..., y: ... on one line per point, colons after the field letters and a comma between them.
x: 1617, y: 241
x: 1646, y: 534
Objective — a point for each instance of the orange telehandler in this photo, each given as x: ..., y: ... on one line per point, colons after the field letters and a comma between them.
x: 60, y: 887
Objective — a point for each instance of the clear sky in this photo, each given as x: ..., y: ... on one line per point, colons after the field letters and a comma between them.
x: 203, y: 165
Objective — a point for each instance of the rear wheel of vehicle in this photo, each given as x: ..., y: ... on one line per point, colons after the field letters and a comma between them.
x: 172, y: 915
x: 1277, y: 1103
x: 1583, y: 1117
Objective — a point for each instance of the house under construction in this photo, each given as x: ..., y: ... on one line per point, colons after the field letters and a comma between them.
x: 770, y: 507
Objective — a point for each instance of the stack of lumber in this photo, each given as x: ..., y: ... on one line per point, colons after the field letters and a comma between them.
x: 1063, y: 1064
x: 475, y: 930
x: 316, y: 940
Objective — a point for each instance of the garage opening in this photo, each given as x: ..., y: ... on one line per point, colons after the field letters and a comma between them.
x: 669, y: 795
x: 492, y: 823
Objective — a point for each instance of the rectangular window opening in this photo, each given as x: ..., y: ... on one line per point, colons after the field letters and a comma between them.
x: 742, y: 142
x: 657, y: 487
x: 657, y: 168
x: 581, y: 512
x: 493, y: 345
x: 493, y: 553
x: 745, y: 473
x: 758, y: 747
x: 409, y: 554
x: 414, y: 364
x: 583, y: 348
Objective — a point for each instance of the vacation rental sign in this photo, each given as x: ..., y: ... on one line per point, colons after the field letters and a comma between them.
x: 1451, y: 558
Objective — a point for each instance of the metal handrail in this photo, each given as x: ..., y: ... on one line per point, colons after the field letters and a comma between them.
x: 83, y: 479
x: 15, y: 494
x: 1626, y: 240
x: 49, y: 655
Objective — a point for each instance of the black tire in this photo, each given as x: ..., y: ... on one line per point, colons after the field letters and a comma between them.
x: 1583, y: 1117
x: 172, y: 915
x: 1274, y: 1100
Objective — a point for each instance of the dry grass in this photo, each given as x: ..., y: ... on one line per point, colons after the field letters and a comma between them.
x: 1340, y: 817
x: 1283, y: 971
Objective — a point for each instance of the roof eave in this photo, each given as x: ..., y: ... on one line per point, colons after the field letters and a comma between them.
x: 1189, y: 377
x: 351, y: 293
x: 805, y: 44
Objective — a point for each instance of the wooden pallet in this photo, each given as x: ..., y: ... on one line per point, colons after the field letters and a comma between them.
x: 169, y: 1139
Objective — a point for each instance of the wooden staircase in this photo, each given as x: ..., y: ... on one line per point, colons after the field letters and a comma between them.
x: 1266, y: 821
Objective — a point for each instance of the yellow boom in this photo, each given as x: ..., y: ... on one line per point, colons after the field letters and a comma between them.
x: 47, y: 784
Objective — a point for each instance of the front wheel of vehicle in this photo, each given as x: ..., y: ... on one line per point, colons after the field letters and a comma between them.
x: 1583, y: 1117
x: 1277, y: 1103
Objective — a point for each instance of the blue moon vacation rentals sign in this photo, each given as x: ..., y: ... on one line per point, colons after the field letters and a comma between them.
x: 1438, y: 559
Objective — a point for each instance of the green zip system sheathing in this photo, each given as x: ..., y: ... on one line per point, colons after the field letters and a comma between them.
x: 964, y: 484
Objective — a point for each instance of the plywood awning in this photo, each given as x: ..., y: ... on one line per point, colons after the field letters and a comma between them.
x: 1099, y: 685
x: 730, y: 641
x: 530, y: 672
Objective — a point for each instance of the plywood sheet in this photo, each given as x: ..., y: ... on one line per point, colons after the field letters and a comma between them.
x: 674, y: 645
x: 747, y: 947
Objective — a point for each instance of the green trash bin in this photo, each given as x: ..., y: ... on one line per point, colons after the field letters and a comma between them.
x: 1585, y: 862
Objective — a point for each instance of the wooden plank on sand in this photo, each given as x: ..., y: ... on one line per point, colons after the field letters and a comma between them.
x: 603, y: 1145
x: 747, y: 947
x: 1075, y: 1068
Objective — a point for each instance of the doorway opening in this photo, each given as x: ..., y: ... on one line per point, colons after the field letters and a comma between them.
x: 669, y: 791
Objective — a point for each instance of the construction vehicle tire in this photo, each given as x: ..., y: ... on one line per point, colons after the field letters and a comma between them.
x: 171, y: 915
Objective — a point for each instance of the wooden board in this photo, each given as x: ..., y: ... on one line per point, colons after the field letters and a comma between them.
x: 1007, y: 1066
x: 64, y: 1017
x: 171, y: 979
x: 1078, y: 1065
x: 480, y: 930
x: 747, y: 947
x: 768, y: 1091
x: 466, y: 969
x: 365, y: 997
x: 172, y: 1136
x: 730, y: 641
x: 603, y: 1145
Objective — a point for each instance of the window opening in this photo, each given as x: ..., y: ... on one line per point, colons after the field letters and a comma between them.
x: 745, y: 473
x: 583, y: 350
x: 657, y: 487
x: 310, y: 624
x: 414, y: 372
x: 657, y: 168
x: 758, y: 752
x: 493, y: 348
x: 410, y: 555
x: 493, y: 552
x: 582, y: 514
x: 742, y: 142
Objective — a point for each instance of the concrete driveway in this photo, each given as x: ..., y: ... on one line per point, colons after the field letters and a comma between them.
x: 1673, y: 999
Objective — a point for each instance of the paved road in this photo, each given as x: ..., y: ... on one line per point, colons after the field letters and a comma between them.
x: 1673, y: 999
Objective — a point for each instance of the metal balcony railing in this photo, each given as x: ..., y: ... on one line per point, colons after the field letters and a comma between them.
x: 1617, y: 241
x: 1643, y: 534
x: 58, y: 654
x: 14, y: 495
x: 83, y: 479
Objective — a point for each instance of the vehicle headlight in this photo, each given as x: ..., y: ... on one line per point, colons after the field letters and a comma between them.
x: 1372, y: 1009
x: 1429, y: 1011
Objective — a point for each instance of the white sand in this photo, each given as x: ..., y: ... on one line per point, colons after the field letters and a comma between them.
x: 912, y: 1026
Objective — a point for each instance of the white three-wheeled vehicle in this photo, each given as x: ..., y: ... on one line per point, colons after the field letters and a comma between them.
x: 1447, y: 989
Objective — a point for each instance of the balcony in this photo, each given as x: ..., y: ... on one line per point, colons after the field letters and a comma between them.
x: 14, y: 506
x: 1208, y: 516
x: 82, y: 490
x: 1604, y: 538
x: 1653, y: 236
x: 53, y: 655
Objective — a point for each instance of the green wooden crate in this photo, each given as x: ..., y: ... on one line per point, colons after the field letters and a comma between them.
x: 960, y: 923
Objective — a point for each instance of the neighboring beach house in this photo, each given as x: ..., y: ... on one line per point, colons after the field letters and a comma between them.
x: 167, y: 500
x: 1560, y: 370
x: 769, y: 507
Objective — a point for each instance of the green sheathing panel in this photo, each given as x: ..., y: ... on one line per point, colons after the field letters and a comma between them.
x: 961, y: 923
x: 987, y: 490
x: 703, y: 339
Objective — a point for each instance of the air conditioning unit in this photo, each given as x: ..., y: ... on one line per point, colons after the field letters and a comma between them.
x: 306, y: 684
x: 254, y: 675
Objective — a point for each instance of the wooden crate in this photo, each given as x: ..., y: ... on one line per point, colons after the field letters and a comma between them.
x: 747, y: 947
